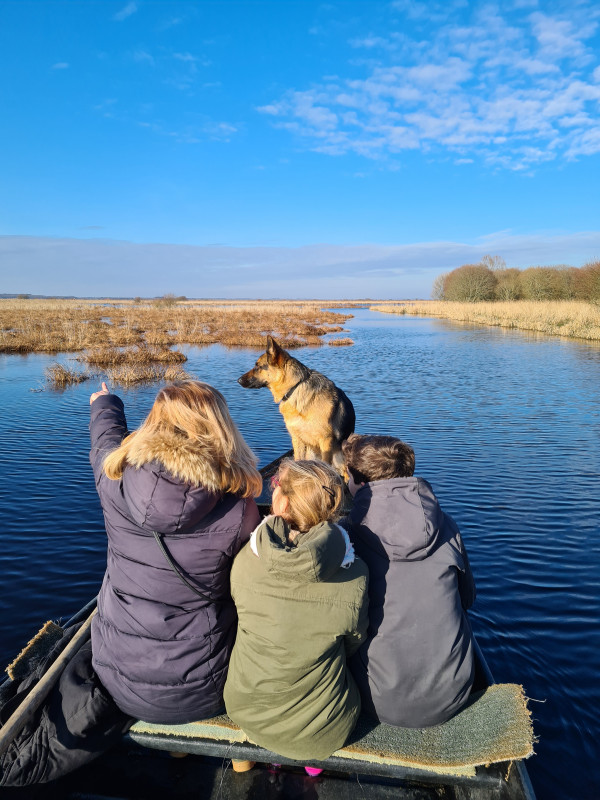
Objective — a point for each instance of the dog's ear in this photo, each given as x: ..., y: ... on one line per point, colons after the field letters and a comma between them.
x: 273, y: 350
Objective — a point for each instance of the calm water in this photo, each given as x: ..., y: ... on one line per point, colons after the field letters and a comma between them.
x: 505, y: 426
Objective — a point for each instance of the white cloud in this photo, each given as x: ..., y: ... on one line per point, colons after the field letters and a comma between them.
x: 561, y: 38
x: 142, y: 57
x: 60, y: 65
x: 44, y: 265
x: 512, y: 89
x: 125, y: 12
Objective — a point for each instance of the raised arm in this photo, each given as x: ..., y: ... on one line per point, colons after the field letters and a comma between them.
x: 108, y: 427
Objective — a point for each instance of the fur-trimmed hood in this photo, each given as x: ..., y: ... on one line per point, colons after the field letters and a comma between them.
x: 180, y: 456
x: 167, y: 484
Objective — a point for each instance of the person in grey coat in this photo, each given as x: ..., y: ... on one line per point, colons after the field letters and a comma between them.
x: 177, y: 496
x: 416, y: 667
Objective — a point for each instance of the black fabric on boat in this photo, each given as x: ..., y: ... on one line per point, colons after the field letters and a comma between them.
x: 77, y: 722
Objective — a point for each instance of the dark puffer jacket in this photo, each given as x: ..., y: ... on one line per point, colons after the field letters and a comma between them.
x: 416, y: 668
x: 160, y: 649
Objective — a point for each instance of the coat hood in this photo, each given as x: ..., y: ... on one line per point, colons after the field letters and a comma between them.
x: 182, y: 457
x: 405, y: 514
x: 314, y: 556
x: 159, y: 501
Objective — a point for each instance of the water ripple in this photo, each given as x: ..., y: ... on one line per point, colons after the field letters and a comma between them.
x: 506, y: 427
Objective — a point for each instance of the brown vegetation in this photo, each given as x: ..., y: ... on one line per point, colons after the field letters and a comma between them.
x: 58, y: 375
x: 76, y: 325
x: 340, y: 342
x: 135, y: 341
x: 558, y: 317
x: 129, y: 374
x: 492, y: 280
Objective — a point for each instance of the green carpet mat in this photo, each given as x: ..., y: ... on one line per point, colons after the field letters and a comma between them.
x: 494, y: 726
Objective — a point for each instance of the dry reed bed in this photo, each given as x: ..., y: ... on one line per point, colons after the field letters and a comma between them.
x: 73, y: 326
x: 558, y: 318
x: 134, y: 342
x: 60, y: 376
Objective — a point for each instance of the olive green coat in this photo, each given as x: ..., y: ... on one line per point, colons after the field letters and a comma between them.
x: 299, y: 615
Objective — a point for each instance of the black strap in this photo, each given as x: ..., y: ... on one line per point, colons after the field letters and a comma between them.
x: 176, y: 569
x: 291, y: 391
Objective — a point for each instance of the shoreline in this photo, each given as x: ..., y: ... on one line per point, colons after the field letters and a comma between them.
x: 570, y: 319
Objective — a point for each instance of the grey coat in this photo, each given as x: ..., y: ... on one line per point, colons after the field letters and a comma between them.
x: 416, y: 667
x: 160, y: 649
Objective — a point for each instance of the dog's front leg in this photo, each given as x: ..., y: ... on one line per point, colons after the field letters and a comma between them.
x: 298, y: 447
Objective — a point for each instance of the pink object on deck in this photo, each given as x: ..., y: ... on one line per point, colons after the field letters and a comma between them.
x: 313, y: 771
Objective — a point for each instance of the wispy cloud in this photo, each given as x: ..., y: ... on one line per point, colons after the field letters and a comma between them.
x: 170, y: 23
x: 53, y: 265
x: 513, y: 89
x: 143, y: 57
x: 61, y: 65
x: 125, y: 12
x: 202, y: 131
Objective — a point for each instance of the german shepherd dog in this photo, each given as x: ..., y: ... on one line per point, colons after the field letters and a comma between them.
x: 318, y: 415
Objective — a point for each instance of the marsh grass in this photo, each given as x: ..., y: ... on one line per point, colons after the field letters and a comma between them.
x: 340, y: 342
x: 138, y: 354
x: 100, y: 327
x: 59, y: 376
x: 130, y: 374
x: 570, y: 318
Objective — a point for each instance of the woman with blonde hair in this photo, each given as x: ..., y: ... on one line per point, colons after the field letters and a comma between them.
x: 177, y: 496
x: 301, y: 598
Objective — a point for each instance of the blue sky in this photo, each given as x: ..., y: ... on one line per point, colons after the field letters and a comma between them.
x: 293, y: 149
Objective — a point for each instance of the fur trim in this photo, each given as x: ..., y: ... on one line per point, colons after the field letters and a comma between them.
x: 181, y: 457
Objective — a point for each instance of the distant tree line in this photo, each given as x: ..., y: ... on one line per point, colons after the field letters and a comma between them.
x: 490, y: 279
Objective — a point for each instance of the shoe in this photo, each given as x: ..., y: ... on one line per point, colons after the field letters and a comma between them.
x: 242, y: 766
x: 313, y: 771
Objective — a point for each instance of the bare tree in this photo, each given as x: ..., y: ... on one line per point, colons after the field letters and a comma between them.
x: 509, y: 285
x: 541, y: 283
x: 495, y: 263
x: 438, y: 287
x: 587, y: 282
x: 470, y: 283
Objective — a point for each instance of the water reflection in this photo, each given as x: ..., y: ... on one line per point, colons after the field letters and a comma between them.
x: 505, y: 426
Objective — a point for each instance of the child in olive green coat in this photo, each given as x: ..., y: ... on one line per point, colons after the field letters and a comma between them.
x: 301, y: 599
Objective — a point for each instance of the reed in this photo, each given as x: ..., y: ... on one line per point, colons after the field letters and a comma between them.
x: 139, y: 354
x: 570, y: 318
x: 131, y: 374
x: 100, y: 326
x: 59, y: 376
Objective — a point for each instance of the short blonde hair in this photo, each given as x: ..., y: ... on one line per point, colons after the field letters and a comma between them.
x: 315, y: 492
x: 192, y: 417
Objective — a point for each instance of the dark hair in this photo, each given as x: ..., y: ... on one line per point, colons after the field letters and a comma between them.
x: 378, y: 458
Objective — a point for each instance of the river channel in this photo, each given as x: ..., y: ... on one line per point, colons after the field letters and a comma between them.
x: 505, y: 426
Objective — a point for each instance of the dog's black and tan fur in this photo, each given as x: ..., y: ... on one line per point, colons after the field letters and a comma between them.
x: 318, y: 415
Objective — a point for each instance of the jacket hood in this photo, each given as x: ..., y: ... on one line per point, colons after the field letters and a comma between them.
x: 159, y: 501
x: 314, y: 556
x: 182, y: 457
x: 405, y: 514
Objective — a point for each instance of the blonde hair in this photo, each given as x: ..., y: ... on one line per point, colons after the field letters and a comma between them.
x: 315, y: 492
x: 190, y: 431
